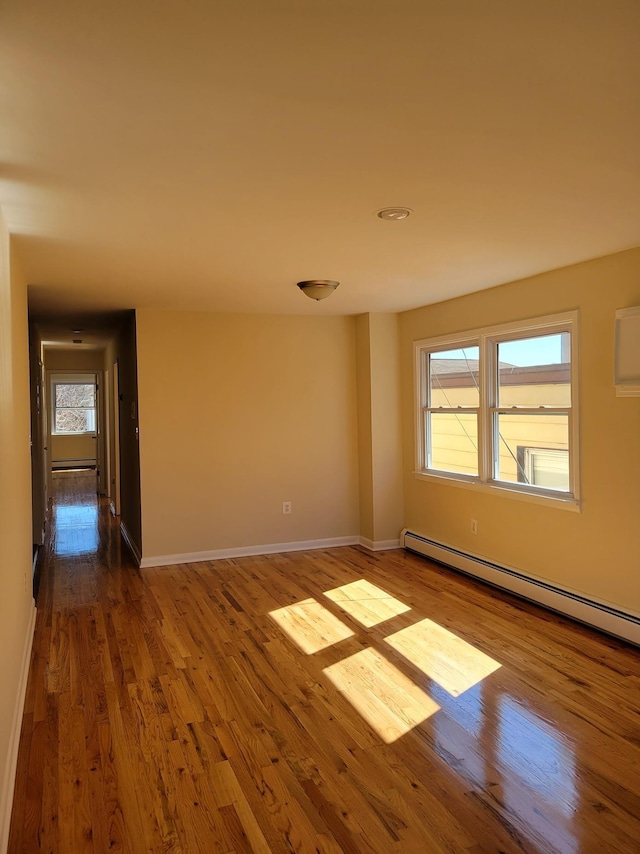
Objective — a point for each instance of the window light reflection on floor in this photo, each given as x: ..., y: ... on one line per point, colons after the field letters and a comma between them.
x: 447, y: 659
x: 76, y: 529
x: 536, y: 753
x: 387, y: 699
x: 310, y: 625
x: 366, y: 603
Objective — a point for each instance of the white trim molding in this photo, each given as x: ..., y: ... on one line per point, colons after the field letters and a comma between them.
x: 379, y: 545
x: 9, y: 777
x: 126, y: 536
x: 248, y: 551
x: 585, y: 609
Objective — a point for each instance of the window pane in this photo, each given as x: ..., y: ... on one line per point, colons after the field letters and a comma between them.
x: 75, y: 421
x: 454, y: 378
x: 75, y: 394
x: 535, y: 371
x: 534, y: 449
x: 454, y: 442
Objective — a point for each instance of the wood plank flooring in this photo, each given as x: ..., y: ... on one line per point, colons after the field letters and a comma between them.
x: 321, y: 701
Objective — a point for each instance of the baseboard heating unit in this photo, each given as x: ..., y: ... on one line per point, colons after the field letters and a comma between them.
x: 597, y: 614
x: 65, y: 465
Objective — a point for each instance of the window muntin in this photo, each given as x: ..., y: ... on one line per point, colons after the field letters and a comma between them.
x: 74, y: 407
x: 497, y: 407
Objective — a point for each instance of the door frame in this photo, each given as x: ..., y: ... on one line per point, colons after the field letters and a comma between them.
x: 71, y: 376
x: 115, y: 443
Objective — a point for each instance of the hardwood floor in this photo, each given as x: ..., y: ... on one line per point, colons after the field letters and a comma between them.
x: 319, y: 701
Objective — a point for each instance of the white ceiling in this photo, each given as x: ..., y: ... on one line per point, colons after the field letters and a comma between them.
x: 207, y: 155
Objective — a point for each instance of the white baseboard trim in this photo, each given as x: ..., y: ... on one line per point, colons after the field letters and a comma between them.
x: 586, y: 609
x: 9, y: 777
x: 126, y: 536
x: 379, y: 545
x: 248, y: 551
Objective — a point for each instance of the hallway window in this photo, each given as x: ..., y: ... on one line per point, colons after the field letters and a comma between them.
x: 74, y: 407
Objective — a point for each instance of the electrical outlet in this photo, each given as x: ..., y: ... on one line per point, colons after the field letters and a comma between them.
x: 474, y: 526
x: 286, y: 507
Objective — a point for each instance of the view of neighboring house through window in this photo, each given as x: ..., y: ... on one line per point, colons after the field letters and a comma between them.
x: 497, y: 407
x: 453, y: 411
x: 534, y: 406
x: 74, y: 409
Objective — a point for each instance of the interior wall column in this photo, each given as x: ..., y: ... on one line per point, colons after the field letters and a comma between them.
x: 379, y: 429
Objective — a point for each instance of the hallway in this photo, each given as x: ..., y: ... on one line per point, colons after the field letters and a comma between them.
x: 324, y: 701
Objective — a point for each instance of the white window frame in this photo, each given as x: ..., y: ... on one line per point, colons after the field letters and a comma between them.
x: 487, y: 340
x: 55, y: 379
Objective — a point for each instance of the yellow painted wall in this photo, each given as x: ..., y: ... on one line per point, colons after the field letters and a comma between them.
x: 68, y: 360
x: 379, y: 427
x: 597, y: 551
x: 16, y: 602
x: 365, y: 440
x: 386, y: 427
x: 82, y: 447
x: 239, y: 413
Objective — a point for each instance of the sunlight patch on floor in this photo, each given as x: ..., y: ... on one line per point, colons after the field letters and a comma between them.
x: 391, y: 702
x: 387, y: 699
x: 366, y: 603
x: 310, y: 625
x: 447, y: 659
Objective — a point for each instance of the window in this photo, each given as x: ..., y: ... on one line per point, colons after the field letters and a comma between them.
x: 544, y: 467
x: 74, y: 405
x: 497, y: 408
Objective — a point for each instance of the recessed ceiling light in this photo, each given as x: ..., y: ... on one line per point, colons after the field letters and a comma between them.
x: 77, y: 331
x: 77, y: 340
x: 394, y: 214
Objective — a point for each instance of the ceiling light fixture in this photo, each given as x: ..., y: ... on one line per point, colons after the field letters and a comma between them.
x: 318, y: 288
x: 394, y: 214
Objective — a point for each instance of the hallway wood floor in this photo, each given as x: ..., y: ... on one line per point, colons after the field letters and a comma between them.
x: 319, y: 701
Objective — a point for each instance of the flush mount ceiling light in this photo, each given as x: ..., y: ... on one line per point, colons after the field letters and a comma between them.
x: 318, y: 288
x: 394, y: 214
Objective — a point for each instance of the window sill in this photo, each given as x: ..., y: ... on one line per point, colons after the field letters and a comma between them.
x: 505, y: 491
